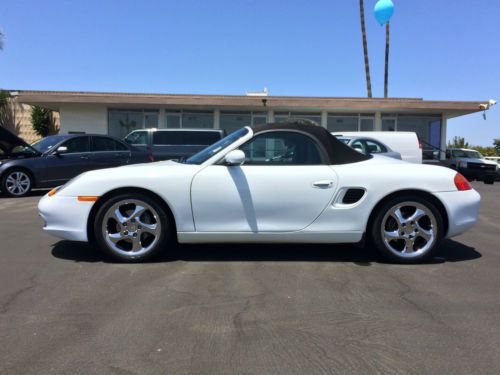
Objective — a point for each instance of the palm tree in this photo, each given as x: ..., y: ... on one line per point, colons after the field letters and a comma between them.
x: 365, y: 48
x: 386, y: 76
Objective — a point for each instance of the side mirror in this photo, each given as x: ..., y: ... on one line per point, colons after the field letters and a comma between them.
x: 61, y: 150
x: 235, y: 157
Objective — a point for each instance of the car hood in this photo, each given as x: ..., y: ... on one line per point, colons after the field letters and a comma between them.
x: 9, y: 142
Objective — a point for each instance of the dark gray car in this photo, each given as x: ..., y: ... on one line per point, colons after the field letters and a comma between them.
x: 174, y: 144
x: 56, y: 159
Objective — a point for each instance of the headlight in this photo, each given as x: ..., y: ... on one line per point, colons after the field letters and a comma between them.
x: 462, y: 164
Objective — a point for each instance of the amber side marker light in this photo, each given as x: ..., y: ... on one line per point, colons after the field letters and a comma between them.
x: 462, y: 183
x: 84, y: 198
x: 52, y: 192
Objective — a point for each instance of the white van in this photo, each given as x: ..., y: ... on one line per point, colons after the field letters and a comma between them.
x: 406, y: 143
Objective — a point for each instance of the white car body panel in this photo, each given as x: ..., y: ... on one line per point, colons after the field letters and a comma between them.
x: 406, y: 143
x: 256, y: 198
x: 218, y: 203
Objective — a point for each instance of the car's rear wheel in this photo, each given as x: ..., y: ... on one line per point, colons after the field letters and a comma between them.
x: 17, y: 183
x: 132, y: 227
x: 408, y: 229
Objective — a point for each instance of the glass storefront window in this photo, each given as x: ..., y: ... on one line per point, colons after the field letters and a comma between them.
x: 342, y: 123
x: 197, y: 120
x: 172, y: 120
x: 389, y: 124
x: 285, y: 116
x: 366, y: 124
x: 231, y: 121
x: 122, y: 122
x: 428, y: 129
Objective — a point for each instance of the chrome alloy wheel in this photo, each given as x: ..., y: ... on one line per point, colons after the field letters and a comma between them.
x: 18, y: 183
x: 409, y: 229
x: 131, y: 227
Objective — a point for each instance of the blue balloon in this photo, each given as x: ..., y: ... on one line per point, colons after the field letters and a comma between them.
x: 383, y: 11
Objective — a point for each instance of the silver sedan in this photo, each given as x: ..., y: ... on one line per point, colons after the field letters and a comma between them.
x: 367, y: 145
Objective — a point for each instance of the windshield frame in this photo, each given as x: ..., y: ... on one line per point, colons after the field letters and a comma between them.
x: 220, y: 148
x: 60, y: 138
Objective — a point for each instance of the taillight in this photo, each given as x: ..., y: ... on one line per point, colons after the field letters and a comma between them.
x: 151, y: 157
x: 462, y: 183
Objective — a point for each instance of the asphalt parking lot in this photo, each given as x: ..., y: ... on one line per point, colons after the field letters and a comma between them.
x: 304, y: 309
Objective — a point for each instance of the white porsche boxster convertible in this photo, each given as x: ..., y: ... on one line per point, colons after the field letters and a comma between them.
x: 275, y: 183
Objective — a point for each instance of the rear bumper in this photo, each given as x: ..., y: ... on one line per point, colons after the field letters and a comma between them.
x: 65, y: 217
x: 462, y: 208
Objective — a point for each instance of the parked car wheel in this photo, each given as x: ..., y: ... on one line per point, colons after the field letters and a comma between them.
x: 132, y: 227
x: 17, y: 183
x: 408, y: 229
x: 489, y: 180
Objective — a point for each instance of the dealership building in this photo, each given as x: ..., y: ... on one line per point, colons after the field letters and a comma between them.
x: 118, y: 114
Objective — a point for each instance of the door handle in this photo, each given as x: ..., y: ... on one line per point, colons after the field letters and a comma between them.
x: 323, y: 184
x: 84, y: 157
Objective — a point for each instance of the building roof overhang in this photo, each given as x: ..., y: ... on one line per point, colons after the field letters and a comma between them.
x: 57, y: 99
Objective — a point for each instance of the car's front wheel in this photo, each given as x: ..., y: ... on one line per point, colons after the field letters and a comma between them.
x: 408, y: 229
x: 132, y: 227
x: 17, y: 183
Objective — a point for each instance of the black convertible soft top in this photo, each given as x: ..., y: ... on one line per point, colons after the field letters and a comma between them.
x: 337, y: 152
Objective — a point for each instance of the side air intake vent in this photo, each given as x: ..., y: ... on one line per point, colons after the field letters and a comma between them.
x: 352, y: 196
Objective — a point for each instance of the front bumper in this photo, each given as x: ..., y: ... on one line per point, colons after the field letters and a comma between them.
x: 477, y: 174
x: 462, y: 208
x: 65, y: 217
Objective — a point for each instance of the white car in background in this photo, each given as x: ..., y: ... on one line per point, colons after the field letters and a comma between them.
x: 367, y: 145
x: 275, y: 183
x: 405, y: 143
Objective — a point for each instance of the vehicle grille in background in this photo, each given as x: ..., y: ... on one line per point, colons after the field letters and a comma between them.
x: 481, y: 167
x: 352, y: 196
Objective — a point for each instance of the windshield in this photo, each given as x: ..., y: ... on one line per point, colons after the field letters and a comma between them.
x: 468, y: 154
x: 45, y: 144
x: 343, y: 140
x: 210, y: 151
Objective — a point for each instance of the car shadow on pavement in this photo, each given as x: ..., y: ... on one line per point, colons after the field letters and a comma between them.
x: 32, y: 193
x: 451, y: 251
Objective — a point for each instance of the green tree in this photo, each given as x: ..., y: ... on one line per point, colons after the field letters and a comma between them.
x: 458, y: 142
x: 41, y: 120
x: 496, y: 144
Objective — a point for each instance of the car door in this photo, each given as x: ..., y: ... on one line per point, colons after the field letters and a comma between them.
x: 284, y: 185
x: 108, y: 153
x: 60, y: 167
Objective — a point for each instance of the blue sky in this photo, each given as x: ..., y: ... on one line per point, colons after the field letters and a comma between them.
x: 439, y: 49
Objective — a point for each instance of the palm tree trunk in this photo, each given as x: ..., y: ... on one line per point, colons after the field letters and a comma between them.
x: 386, y: 76
x: 365, y: 48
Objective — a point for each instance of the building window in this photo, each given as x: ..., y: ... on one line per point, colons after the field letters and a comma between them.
x: 122, y: 122
x: 189, y: 119
x: 428, y: 129
x: 285, y: 116
x: 232, y: 121
x: 350, y: 123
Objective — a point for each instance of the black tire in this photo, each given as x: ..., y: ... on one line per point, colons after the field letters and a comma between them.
x: 420, y: 255
x: 489, y: 180
x: 119, y: 252
x: 25, y: 179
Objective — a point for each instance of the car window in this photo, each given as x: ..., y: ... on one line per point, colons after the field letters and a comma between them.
x: 359, y: 146
x: 200, y: 138
x: 79, y: 144
x: 373, y: 147
x: 281, y: 148
x: 137, y: 138
x: 168, y: 138
x: 218, y: 146
x: 106, y: 144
